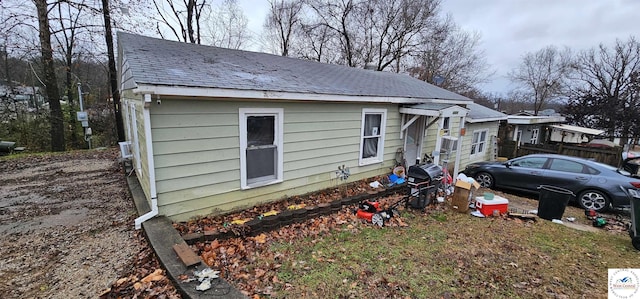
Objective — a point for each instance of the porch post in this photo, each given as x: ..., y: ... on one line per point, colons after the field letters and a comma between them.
x: 456, y: 167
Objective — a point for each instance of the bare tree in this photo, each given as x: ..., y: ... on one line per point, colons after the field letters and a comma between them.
x: 181, y: 17
x: 50, y: 80
x: 543, y: 74
x: 282, y: 22
x: 339, y: 17
x: 450, y: 58
x: 316, y: 42
x: 113, y: 74
x: 226, y: 26
x: 394, y: 30
x: 68, y: 23
x: 608, y: 82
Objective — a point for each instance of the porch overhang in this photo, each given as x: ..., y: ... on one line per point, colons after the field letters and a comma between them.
x: 435, y: 109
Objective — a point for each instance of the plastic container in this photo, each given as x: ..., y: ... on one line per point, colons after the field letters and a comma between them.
x: 634, y: 229
x: 552, y: 201
x: 488, y: 206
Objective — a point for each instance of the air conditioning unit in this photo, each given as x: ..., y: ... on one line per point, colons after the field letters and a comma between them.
x: 449, y: 144
x: 125, y: 149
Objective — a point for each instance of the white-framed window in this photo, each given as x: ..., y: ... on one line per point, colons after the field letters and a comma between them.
x: 372, y: 133
x: 479, y: 143
x: 534, y: 136
x: 261, y: 145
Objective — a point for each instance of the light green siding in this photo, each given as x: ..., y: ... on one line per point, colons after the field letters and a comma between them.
x: 492, y: 131
x: 431, y: 134
x: 138, y: 130
x: 197, y: 154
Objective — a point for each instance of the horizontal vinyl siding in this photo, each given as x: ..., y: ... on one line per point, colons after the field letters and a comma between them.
x: 492, y: 130
x: 197, y: 155
x: 143, y: 176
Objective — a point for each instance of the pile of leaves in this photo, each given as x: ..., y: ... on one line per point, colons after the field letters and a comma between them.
x: 145, y: 279
x: 221, y: 222
x: 235, y: 257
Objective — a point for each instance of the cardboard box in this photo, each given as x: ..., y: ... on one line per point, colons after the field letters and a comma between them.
x: 486, y: 207
x: 466, y: 185
x: 462, y: 194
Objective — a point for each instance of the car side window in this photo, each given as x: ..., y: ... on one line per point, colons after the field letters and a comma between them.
x: 566, y: 166
x: 592, y: 170
x: 536, y: 162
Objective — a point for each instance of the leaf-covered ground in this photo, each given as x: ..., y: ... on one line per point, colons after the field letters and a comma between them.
x: 421, y: 254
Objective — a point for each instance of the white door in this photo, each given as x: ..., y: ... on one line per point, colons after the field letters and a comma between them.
x: 413, y: 141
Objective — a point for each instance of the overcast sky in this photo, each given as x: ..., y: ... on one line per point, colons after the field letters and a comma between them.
x: 510, y: 28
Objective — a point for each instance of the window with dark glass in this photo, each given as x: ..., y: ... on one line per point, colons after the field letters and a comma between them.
x: 261, y: 148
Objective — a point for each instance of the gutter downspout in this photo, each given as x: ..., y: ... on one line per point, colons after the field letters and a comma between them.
x: 146, y: 117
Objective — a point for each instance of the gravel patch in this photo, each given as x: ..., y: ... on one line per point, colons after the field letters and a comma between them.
x: 66, y: 225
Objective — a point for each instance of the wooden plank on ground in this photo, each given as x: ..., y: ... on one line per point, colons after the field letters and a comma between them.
x: 186, y: 255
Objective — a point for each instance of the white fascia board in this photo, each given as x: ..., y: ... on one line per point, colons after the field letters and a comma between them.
x: 529, y: 120
x: 489, y: 119
x: 420, y: 112
x: 454, y: 102
x: 180, y: 91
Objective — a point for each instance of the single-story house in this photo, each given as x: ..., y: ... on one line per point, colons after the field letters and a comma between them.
x: 573, y: 134
x: 525, y: 128
x: 211, y: 130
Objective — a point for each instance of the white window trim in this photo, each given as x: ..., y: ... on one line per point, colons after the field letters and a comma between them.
x: 279, y: 135
x: 484, y: 148
x: 534, y: 136
x: 383, y: 125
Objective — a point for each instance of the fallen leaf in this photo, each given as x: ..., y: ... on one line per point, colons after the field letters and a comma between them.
x: 137, y: 286
x: 261, y: 239
x: 155, y: 276
x: 260, y: 272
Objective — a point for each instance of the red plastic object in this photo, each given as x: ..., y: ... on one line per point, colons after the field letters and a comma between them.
x: 486, y: 207
x: 362, y: 214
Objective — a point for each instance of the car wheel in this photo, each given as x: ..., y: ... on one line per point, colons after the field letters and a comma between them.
x: 485, y: 179
x: 593, y: 200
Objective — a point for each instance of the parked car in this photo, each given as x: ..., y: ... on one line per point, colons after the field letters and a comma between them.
x: 596, y: 185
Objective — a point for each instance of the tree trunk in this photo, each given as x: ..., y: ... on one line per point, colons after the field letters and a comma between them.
x: 53, y: 95
x: 113, y: 75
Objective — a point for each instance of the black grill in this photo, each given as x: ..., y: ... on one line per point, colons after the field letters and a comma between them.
x: 423, y: 181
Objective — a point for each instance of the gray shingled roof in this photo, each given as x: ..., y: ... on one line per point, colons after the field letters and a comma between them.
x: 479, y: 112
x: 168, y: 63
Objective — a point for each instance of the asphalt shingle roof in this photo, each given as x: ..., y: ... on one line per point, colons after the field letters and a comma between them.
x: 168, y: 63
x: 477, y: 111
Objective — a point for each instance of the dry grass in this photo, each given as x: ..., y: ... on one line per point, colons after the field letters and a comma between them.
x: 445, y: 254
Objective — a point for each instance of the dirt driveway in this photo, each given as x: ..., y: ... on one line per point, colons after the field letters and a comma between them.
x: 66, y: 225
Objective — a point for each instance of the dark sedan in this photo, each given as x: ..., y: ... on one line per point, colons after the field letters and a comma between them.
x: 596, y: 185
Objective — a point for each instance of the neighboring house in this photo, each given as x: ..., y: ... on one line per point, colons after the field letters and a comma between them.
x: 524, y: 128
x: 15, y: 96
x: 573, y: 134
x: 213, y: 130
